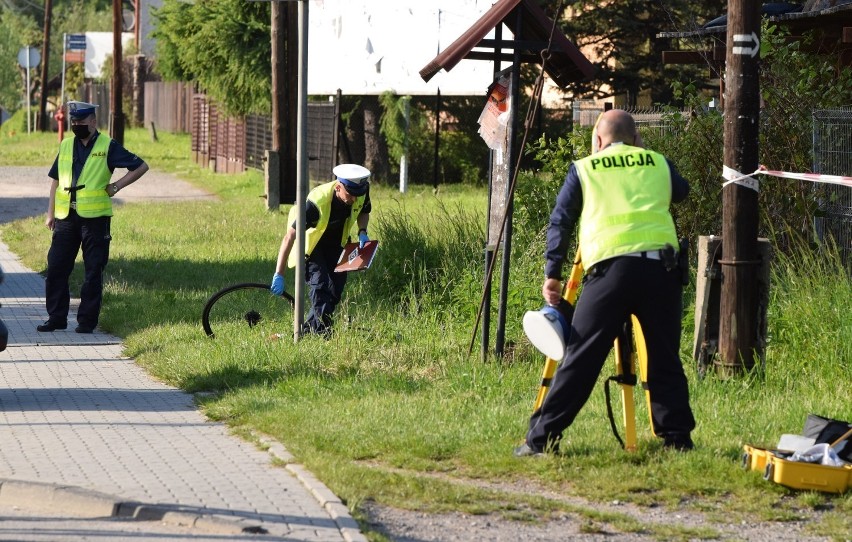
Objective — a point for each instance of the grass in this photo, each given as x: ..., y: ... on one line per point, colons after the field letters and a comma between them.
x: 393, y: 410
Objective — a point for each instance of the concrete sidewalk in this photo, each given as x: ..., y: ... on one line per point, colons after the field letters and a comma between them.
x: 85, y: 432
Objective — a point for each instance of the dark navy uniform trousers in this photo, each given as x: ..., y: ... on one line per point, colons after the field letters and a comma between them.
x: 325, y: 288
x: 612, y: 291
x: 69, y: 235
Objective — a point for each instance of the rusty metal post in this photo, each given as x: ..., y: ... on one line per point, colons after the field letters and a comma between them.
x: 740, y: 261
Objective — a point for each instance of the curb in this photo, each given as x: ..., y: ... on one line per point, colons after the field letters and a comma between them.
x: 333, y: 505
x: 87, y: 503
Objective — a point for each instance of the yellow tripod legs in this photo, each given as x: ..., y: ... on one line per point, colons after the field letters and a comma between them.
x: 630, y: 351
x: 569, y: 293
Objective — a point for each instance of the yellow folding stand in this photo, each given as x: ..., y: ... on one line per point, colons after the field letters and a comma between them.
x: 569, y: 293
x: 630, y: 350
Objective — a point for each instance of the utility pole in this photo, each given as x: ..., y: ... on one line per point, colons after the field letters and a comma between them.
x: 43, y: 123
x: 279, y: 104
x: 117, y: 120
x: 740, y: 262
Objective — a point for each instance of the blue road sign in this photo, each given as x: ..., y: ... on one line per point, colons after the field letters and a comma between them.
x: 75, y: 42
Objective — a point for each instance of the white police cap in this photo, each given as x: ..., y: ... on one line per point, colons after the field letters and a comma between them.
x: 355, y: 178
x: 80, y: 110
x: 548, y: 331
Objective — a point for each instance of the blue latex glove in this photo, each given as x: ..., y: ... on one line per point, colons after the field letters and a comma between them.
x: 362, y: 238
x: 277, y: 287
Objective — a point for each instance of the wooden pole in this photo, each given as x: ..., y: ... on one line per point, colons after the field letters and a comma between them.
x: 117, y: 124
x: 739, y: 263
x: 279, y: 103
x: 43, y: 121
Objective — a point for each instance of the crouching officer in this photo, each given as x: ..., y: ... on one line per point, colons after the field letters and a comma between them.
x: 78, y: 214
x: 331, y: 210
x: 620, y: 196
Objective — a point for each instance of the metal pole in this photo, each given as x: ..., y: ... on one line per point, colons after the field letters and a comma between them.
x: 739, y: 263
x: 437, y: 137
x: 62, y: 92
x: 29, y: 94
x: 511, y: 157
x: 403, y: 161
x: 302, y: 167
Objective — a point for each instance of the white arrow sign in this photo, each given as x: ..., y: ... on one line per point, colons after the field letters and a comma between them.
x: 745, y: 40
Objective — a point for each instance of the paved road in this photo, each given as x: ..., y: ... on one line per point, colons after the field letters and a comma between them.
x: 86, y: 433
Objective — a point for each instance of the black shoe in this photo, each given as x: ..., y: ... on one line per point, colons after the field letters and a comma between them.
x: 525, y: 450
x: 84, y: 329
x: 50, y: 326
x: 679, y: 442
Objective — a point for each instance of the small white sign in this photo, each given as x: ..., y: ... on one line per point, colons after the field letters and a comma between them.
x: 744, y: 40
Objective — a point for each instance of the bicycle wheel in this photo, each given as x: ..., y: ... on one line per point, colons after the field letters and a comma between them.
x: 247, y: 304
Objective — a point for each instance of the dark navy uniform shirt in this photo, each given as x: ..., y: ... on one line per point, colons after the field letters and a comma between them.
x: 117, y: 157
x: 566, y: 213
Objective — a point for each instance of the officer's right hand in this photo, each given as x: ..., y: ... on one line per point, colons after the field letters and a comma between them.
x: 277, y: 286
x: 551, y: 290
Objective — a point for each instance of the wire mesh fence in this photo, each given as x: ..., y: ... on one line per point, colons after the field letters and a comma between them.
x: 832, y: 147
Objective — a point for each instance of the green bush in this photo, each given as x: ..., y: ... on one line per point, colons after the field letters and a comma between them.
x: 17, y: 123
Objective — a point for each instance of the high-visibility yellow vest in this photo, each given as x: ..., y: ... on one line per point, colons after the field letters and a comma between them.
x: 92, y: 200
x: 627, y: 192
x: 322, y: 196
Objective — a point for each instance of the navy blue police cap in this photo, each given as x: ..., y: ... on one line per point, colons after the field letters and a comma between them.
x: 80, y: 110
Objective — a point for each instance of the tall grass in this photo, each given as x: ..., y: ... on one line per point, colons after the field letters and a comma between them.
x: 391, y: 408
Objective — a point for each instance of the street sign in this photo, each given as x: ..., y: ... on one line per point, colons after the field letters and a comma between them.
x: 741, y: 40
x: 75, y: 42
x: 28, y: 57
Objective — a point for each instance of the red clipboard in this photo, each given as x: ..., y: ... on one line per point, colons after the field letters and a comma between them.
x: 354, y: 258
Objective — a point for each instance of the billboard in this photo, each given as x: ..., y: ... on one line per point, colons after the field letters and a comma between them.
x: 370, y: 47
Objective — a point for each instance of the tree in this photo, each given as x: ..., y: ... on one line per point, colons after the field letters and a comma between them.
x: 224, y: 46
x: 16, y: 31
x: 620, y: 37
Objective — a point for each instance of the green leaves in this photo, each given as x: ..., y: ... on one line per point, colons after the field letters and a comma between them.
x: 224, y: 46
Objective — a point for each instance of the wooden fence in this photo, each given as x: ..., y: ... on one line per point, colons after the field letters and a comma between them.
x: 168, y: 105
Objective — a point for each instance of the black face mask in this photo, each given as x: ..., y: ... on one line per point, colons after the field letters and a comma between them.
x: 81, y: 130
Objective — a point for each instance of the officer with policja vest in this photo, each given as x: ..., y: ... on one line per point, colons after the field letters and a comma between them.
x: 78, y: 214
x: 619, y: 197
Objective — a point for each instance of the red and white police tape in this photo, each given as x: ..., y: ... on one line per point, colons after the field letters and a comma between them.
x: 748, y: 181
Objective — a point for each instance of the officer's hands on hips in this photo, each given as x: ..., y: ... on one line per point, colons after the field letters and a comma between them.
x: 112, y: 189
x: 362, y: 238
x: 277, y: 286
x: 551, y: 290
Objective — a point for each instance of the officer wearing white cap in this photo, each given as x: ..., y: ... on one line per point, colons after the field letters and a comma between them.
x: 620, y: 196
x: 331, y: 210
x: 79, y: 212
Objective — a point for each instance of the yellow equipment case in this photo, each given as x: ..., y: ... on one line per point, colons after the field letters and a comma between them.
x: 779, y: 469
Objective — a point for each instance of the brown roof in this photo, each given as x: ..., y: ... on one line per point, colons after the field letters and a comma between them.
x: 810, y: 16
x: 565, y: 65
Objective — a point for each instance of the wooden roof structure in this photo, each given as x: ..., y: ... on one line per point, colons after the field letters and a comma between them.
x: 565, y: 65
x: 831, y: 18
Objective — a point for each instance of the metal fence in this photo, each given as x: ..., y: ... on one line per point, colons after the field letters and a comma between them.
x: 229, y: 145
x: 832, y: 147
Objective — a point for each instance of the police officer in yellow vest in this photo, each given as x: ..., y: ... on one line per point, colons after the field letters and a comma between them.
x: 78, y: 214
x: 620, y: 196
x: 331, y: 210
